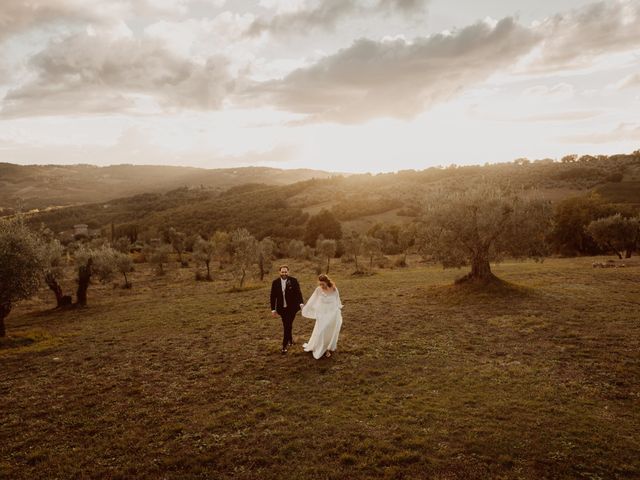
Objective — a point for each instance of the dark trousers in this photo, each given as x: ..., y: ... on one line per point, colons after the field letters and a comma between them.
x: 287, y: 323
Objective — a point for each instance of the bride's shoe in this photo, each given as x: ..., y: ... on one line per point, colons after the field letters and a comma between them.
x: 327, y: 354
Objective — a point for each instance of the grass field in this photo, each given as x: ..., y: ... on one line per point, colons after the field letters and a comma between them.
x: 178, y: 380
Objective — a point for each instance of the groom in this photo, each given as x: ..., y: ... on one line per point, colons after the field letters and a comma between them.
x: 286, y: 300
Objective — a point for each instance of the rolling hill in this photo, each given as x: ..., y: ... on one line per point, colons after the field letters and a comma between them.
x: 43, y: 186
x: 358, y: 201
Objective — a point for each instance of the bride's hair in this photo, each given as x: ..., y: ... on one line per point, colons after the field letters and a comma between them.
x: 325, y: 278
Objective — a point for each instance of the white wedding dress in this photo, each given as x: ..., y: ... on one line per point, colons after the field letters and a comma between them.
x: 325, y: 308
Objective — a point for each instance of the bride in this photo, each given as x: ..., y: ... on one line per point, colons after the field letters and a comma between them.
x: 324, y: 305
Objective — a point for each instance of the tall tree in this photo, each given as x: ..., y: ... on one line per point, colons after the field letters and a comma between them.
x: 484, y: 224
x: 21, y: 265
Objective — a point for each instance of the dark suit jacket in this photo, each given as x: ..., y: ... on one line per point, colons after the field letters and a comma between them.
x: 292, y: 294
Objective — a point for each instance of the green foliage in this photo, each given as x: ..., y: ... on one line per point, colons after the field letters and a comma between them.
x: 571, y: 218
x: 324, y: 223
x: 158, y: 256
x: 353, y: 245
x: 21, y: 265
x: 616, y: 233
x: 482, y: 225
x: 326, y: 249
x: 104, y: 261
x: 297, y: 249
x: 245, y: 253
x: 266, y: 248
x: 122, y: 245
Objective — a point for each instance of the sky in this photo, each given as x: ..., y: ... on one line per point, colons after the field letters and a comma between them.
x: 339, y: 85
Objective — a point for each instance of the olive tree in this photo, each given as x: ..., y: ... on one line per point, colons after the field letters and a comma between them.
x: 178, y: 242
x: 244, y: 247
x: 158, y: 256
x: 266, y: 247
x: 204, y: 251
x: 297, y: 249
x: 21, y: 265
x: 406, y: 239
x: 122, y: 244
x: 101, y: 262
x: 53, y: 267
x: 124, y: 265
x: 372, y: 247
x: 327, y: 248
x: 353, y: 246
x: 483, y: 224
x: 616, y: 233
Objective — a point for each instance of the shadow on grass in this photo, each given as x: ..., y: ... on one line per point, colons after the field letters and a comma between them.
x: 27, y: 341
x: 473, y: 292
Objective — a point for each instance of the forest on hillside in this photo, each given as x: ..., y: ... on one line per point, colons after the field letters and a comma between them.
x: 283, y: 212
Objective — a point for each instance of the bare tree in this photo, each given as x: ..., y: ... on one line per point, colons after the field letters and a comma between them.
x: 483, y: 224
x: 21, y: 265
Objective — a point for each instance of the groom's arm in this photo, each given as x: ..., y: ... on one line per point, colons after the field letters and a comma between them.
x: 300, y: 299
x: 273, y: 297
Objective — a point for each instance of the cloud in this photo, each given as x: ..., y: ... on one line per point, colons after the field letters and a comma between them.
x: 17, y: 16
x: 630, y: 81
x: 398, y: 78
x: 559, y: 92
x: 92, y: 72
x: 622, y: 133
x: 574, y: 38
x: 325, y: 14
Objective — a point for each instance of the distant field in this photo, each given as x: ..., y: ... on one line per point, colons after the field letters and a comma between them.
x: 182, y: 380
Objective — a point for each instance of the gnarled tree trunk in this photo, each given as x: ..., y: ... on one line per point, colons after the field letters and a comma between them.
x: 52, y: 283
x: 5, y: 308
x: 84, y: 277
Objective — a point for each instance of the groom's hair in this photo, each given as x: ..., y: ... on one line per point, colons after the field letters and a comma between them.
x: 283, y: 266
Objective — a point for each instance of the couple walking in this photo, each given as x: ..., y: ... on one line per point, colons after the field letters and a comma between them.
x: 324, y: 306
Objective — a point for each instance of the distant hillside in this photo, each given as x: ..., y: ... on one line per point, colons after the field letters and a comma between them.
x: 42, y: 186
x: 358, y: 201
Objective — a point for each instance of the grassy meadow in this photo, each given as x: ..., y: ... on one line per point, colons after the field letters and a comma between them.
x: 177, y: 379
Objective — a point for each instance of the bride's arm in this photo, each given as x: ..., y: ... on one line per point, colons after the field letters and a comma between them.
x: 338, y: 299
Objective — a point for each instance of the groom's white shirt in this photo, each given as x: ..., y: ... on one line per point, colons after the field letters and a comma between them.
x: 283, y: 282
